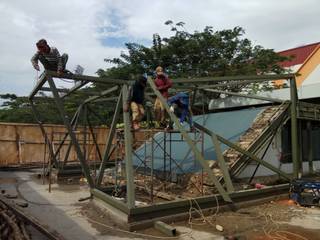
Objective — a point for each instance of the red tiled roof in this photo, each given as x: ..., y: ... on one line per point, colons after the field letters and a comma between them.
x: 300, y: 54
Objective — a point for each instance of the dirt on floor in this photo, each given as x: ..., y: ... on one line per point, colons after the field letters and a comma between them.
x: 268, y: 221
x: 263, y: 222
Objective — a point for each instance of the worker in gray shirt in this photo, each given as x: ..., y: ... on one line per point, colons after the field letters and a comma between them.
x: 49, y: 57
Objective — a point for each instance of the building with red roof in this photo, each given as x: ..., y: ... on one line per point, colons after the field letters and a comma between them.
x: 305, y: 62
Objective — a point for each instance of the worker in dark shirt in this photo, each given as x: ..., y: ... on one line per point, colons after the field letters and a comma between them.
x: 135, y: 101
x: 179, y: 105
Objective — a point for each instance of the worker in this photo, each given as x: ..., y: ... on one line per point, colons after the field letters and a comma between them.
x: 49, y: 57
x: 163, y: 83
x: 179, y: 105
x: 135, y: 101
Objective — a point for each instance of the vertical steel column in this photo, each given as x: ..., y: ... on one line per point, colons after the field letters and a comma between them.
x: 44, y: 134
x: 72, y: 135
x: 151, y: 168
x: 294, y: 129
x: 110, y: 137
x: 310, y: 149
x: 128, y: 151
x: 85, y: 113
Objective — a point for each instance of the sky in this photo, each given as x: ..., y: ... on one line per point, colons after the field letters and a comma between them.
x: 90, y: 31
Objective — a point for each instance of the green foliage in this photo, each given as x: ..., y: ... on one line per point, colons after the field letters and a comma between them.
x: 18, y: 109
x: 184, y: 54
x: 206, y: 53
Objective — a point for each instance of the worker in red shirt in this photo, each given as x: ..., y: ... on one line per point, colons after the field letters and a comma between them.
x: 163, y: 83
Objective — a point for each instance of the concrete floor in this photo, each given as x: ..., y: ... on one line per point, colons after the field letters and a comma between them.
x: 62, y: 211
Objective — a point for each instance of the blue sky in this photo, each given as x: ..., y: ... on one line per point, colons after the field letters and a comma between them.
x: 90, y: 31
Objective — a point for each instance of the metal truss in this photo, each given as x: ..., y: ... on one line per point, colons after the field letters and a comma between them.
x: 225, y: 192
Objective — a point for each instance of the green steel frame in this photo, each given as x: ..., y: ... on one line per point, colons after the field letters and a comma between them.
x: 204, y: 84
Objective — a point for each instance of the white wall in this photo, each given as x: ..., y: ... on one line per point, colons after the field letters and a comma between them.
x: 273, y: 157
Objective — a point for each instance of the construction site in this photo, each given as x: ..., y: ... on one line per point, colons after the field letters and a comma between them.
x: 242, y: 173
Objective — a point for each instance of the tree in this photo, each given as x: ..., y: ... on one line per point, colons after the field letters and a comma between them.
x: 206, y: 53
x: 199, y: 54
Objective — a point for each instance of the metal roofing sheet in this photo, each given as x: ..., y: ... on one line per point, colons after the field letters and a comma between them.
x: 300, y: 54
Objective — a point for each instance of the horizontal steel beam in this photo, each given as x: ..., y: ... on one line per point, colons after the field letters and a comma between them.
x: 47, y: 89
x: 183, y: 206
x: 74, y: 88
x: 166, y: 209
x: 259, y: 78
x: 109, y: 200
x: 247, y: 96
x: 102, y: 94
x: 87, y: 78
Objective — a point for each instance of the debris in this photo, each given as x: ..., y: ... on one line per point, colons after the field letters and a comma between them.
x: 219, y: 228
x: 165, y: 228
x: 11, y: 196
x: 84, y: 199
x: 21, y: 203
x: 259, y: 186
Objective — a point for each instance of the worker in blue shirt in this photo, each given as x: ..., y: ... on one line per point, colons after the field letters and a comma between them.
x: 179, y: 105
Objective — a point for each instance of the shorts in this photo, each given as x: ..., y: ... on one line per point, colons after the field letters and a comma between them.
x: 137, y: 111
x: 158, y: 105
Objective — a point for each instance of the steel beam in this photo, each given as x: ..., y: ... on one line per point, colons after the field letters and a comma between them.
x: 189, y: 141
x: 87, y: 78
x: 44, y: 133
x: 175, y: 206
x: 110, y: 200
x: 222, y: 163
x: 72, y: 135
x: 258, y: 78
x: 109, y: 139
x: 294, y: 129
x: 41, y: 81
x: 74, y: 88
x: 239, y: 149
x: 310, y: 149
x: 128, y: 150
x: 103, y: 93
x: 246, y: 96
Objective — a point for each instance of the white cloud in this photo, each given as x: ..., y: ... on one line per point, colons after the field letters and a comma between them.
x: 74, y: 26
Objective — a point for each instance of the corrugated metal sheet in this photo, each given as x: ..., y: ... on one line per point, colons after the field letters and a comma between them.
x: 230, y: 125
x: 300, y: 54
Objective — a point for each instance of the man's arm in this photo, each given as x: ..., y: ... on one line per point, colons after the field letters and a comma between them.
x: 173, y: 99
x: 34, y: 61
x: 166, y: 86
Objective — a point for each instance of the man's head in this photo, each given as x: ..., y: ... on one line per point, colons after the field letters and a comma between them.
x: 43, y: 46
x: 159, y: 71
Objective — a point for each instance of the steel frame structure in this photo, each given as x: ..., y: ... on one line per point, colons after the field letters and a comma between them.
x: 226, y: 195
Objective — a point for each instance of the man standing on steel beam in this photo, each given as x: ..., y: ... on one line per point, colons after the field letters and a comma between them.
x: 135, y: 101
x: 49, y: 57
x: 163, y: 83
